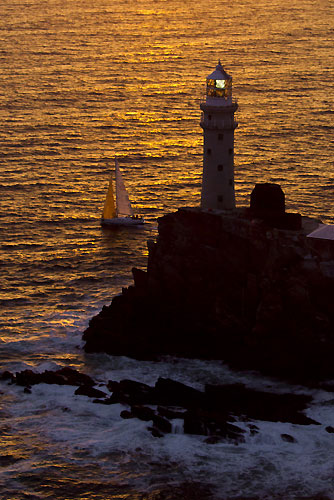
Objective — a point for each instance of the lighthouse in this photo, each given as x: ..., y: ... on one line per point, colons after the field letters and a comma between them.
x: 218, y: 125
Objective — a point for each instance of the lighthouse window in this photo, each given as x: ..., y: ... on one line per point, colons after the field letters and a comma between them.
x: 220, y: 84
x: 220, y: 137
x: 208, y: 151
x: 220, y: 168
x: 220, y: 198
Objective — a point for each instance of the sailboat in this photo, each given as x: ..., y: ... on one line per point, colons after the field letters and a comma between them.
x: 121, y: 213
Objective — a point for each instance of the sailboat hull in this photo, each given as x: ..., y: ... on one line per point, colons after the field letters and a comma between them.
x: 123, y: 221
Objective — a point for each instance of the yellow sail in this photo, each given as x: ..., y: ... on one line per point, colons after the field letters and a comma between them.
x: 109, y: 211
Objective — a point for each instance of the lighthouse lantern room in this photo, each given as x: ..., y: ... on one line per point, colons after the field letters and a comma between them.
x: 218, y: 125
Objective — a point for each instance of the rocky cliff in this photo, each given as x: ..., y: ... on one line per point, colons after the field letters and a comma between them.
x: 229, y: 286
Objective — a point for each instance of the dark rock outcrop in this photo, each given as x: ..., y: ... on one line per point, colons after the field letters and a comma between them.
x: 214, y: 412
x: 209, y: 412
x: 63, y: 376
x: 288, y: 438
x: 91, y: 392
x: 228, y: 286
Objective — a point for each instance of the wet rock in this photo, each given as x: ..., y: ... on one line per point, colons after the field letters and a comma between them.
x: 165, y: 392
x: 228, y: 431
x: 175, y: 393
x: 126, y: 414
x: 210, y: 412
x: 171, y: 413
x: 211, y: 423
x: 288, y: 439
x: 6, y: 375
x: 253, y: 429
x: 113, y: 386
x: 73, y: 377
x: 258, y: 405
x: 132, y: 392
x: 91, y: 392
x: 162, y: 424
x: 50, y: 377
x: 155, y: 432
x: 63, y: 376
x: 194, y: 424
x: 27, y: 390
x: 143, y: 412
x: 27, y: 378
x: 330, y: 429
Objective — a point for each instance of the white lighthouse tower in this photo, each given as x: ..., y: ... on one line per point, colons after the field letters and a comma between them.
x: 218, y: 155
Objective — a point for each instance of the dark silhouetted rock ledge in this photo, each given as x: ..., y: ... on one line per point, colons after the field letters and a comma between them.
x: 245, y: 287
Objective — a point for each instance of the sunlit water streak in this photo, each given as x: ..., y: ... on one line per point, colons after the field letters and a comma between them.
x: 81, y: 82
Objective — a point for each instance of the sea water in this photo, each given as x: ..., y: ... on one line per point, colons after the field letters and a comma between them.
x: 82, y: 82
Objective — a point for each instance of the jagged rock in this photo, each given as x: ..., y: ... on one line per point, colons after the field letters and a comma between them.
x: 27, y: 378
x: 288, y: 439
x: 140, y: 279
x: 209, y: 423
x: 330, y: 429
x: 170, y: 413
x: 67, y: 376
x: 228, y: 286
x: 258, y: 405
x: 253, y: 429
x: 6, y: 375
x: 209, y: 412
x: 131, y: 392
x: 91, y: 392
x: 175, y: 393
x: 136, y: 392
x: 155, y: 432
x: 194, y: 424
x: 162, y: 424
x: 143, y: 413
x: 126, y: 414
x: 63, y: 376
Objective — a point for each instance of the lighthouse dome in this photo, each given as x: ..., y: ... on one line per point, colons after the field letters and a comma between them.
x: 219, y: 86
x: 219, y: 73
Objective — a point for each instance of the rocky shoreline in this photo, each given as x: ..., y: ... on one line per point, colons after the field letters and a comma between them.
x: 229, y: 414
x: 222, y: 412
x: 245, y: 286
